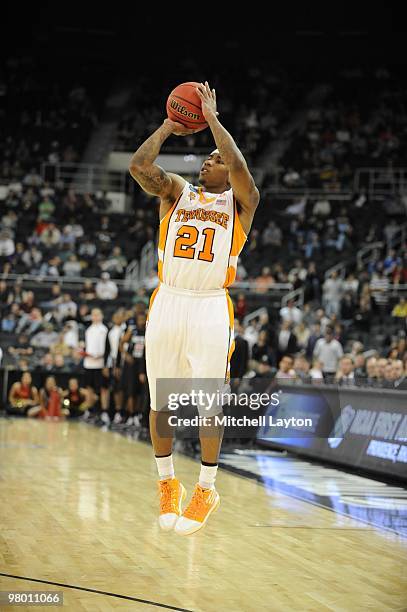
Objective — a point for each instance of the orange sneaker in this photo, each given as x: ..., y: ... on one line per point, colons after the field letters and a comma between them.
x: 172, y: 494
x: 199, y: 509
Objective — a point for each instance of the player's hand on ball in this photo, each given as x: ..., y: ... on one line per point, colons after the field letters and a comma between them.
x: 208, y: 100
x: 178, y: 129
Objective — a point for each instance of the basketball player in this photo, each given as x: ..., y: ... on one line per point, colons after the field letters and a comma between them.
x: 190, y: 325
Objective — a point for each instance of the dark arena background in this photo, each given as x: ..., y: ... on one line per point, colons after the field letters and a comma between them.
x: 312, y: 519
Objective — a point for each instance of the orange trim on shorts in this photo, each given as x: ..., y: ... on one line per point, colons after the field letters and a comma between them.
x: 152, y: 298
x: 231, y: 311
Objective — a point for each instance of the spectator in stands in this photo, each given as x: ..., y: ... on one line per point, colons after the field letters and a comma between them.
x: 87, y: 249
x: 51, y: 267
x: 30, y: 322
x: 116, y: 263
x: 380, y: 368
x: 345, y: 375
x: 400, y: 309
x: 285, y: 369
x: 106, y: 289
x: 87, y: 292
x: 262, y: 351
x: 241, y: 306
x: 303, y: 334
x: 287, y: 341
x: 371, y: 372
x: 240, y: 356
x: 302, y: 369
x: 50, y: 236
x: 316, y: 373
x: 329, y: 351
x: 379, y: 287
x: 7, y: 245
x: 351, y: 285
x: 47, y: 362
x: 315, y: 335
x: 45, y: 338
x: 66, y: 309
x: 23, y: 397
x: 347, y: 308
x: 22, y: 347
x: 399, y: 375
x: 291, y: 313
x: 332, y: 290
x: 72, y: 267
x: 272, y: 236
x: 388, y: 377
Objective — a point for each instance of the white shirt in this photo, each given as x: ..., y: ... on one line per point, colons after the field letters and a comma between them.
x: 294, y: 314
x: 114, y: 338
x: 106, y: 290
x: 95, y: 344
x: 329, y: 353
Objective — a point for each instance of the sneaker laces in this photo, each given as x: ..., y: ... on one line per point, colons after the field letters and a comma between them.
x: 196, y: 504
x: 168, y: 496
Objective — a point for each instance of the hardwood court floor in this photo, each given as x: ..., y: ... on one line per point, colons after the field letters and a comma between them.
x: 78, y: 507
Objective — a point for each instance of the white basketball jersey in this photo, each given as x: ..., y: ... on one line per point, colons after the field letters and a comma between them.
x: 200, y: 240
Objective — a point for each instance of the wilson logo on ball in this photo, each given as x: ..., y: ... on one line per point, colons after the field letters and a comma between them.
x: 182, y: 110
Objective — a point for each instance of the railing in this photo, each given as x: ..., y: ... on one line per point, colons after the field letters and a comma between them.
x: 381, y: 181
x: 67, y: 281
x: 297, y: 295
x: 86, y: 178
x: 399, y: 238
x: 253, y: 315
x: 365, y: 254
x: 339, y: 267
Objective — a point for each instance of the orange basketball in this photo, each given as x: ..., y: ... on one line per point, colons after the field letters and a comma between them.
x: 184, y: 106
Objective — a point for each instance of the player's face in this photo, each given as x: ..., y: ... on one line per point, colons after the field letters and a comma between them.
x: 214, y: 173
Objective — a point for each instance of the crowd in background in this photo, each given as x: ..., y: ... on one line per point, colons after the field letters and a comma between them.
x: 351, y: 329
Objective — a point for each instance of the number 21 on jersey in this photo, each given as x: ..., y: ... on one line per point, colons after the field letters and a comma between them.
x: 187, y: 237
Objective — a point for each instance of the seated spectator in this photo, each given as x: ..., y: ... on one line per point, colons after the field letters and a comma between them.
x: 303, y: 334
x: 285, y: 369
x: 45, y: 338
x: 87, y: 292
x: 106, y: 289
x: 22, y: 347
x: 388, y: 377
x: 23, y: 397
x: 262, y: 351
x: 291, y: 313
x: 66, y: 309
x: 72, y: 267
x: 59, y: 362
x: 400, y: 309
x: 286, y: 340
x: 60, y: 347
x: 76, y: 399
x: 399, y: 375
x: 371, y: 373
x: 302, y: 369
x: 7, y: 246
x: 316, y: 373
x: 30, y: 322
x: 116, y: 263
x: 345, y: 375
x: 46, y: 363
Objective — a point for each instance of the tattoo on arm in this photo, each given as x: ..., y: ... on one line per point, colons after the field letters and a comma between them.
x: 151, y: 177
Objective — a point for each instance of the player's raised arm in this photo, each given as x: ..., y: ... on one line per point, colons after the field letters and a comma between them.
x: 241, y: 180
x: 150, y: 176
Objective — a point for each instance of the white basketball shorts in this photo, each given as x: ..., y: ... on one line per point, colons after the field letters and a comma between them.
x: 189, y: 342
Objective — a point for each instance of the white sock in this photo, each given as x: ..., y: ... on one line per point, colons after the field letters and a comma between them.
x: 207, y: 476
x: 165, y: 467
